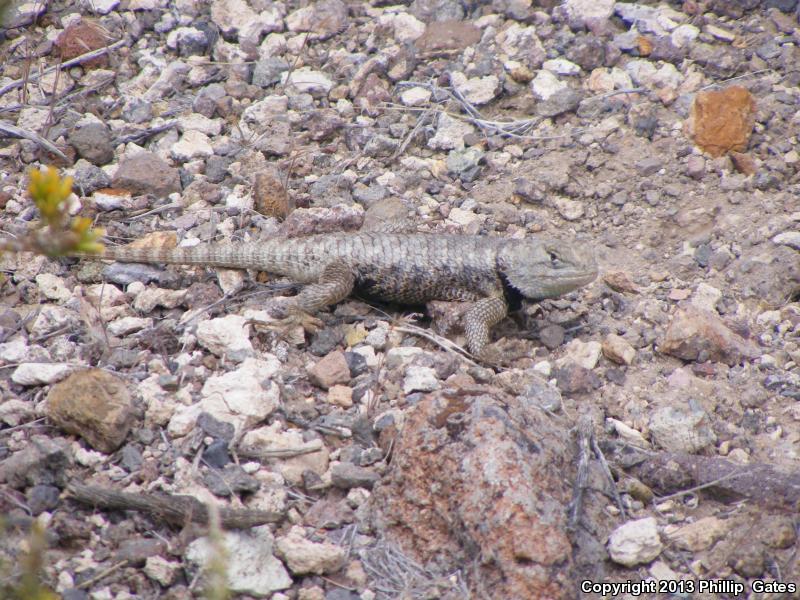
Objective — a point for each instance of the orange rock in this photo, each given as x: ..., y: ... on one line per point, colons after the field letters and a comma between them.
x: 722, y: 120
x: 270, y: 195
x: 645, y: 45
x: 82, y: 37
x: 744, y: 163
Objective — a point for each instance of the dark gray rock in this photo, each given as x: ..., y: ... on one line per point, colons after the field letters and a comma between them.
x: 92, y: 141
x: 219, y: 430
x: 89, y: 178
x: 268, y: 71
x: 43, y: 461
x: 563, y: 101
x: 131, y: 458
x: 231, y: 480
x: 41, y: 498
x: 216, y: 454
x: 347, y: 475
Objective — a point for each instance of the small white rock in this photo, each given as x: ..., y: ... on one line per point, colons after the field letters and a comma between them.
x: 788, y: 238
x: 415, y: 96
x: 420, y: 379
x: 255, y: 570
x: 635, y: 542
x: 307, y: 80
x: 476, y: 90
x: 149, y: 298
x: 568, y: 208
x: 584, y: 354
x: 561, y: 66
x: 245, y: 396
x: 53, y: 287
x: 161, y: 570
x: 683, y: 35
x: 127, y: 325
x: 193, y: 144
x: 303, y: 556
x: 545, y: 85
x: 40, y: 373
x: 201, y: 123
x: 229, y: 335
x: 706, y: 297
x: 450, y: 133
x: 407, y: 28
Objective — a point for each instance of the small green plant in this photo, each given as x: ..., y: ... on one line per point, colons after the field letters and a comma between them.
x: 216, y: 570
x: 58, y: 233
x: 29, y: 585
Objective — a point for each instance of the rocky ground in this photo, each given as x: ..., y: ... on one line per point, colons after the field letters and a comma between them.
x: 377, y: 463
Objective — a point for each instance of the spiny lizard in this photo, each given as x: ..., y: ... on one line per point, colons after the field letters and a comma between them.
x: 488, y: 272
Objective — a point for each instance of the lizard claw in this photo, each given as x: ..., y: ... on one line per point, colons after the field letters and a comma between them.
x: 294, y: 318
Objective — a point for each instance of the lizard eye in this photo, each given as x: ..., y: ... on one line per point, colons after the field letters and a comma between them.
x: 554, y: 260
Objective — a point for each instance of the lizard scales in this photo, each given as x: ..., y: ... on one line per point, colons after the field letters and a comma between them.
x: 405, y: 268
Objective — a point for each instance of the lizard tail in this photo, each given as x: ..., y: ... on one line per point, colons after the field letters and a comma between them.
x: 240, y: 256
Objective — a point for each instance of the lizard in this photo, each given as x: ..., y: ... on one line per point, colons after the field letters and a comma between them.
x: 408, y: 268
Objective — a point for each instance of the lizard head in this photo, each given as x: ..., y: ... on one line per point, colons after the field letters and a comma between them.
x: 545, y: 268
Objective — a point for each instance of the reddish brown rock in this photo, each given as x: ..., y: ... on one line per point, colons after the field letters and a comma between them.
x: 94, y: 405
x: 330, y: 370
x: 485, y: 480
x: 82, y: 37
x: 270, y: 195
x: 146, y: 173
x: 699, y: 335
x: 722, y: 120
x: 445, y: 37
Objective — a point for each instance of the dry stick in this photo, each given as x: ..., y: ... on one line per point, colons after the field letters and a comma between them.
x: 102, y: 575
x: 14, y: 131
x: 66, y: 65
x: 174, y: 509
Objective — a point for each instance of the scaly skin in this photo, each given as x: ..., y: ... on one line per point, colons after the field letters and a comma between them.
x: 405, y: 268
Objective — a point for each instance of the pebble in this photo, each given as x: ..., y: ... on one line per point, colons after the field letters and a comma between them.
x: 700, y: 335
x: 331, y: 370
x: 635, y: 542
x: 681, y: 429
x: 347, y: 475
x: 584, y: 354
x: 40, y: 373
x: 699, y: 535
x: 162, y: 570
x: 618, y: 350
x: 415, y: 96
x: 420, y: 379
x: 146, y: 173
x: 91, y: 138
x: 450, y: 133
x: 307, y: 80
x: 304, y: 556
x: 95, y: 405
x: 256, y: 571
x: 226, y: 336
x: 475, y: 90
x: 244, y: 396
x: 788, y: 238
x: 273, y: 437
x: 545, y: 84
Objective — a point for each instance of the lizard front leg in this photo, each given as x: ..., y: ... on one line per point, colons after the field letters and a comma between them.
x: 334, y: 285
x: 480, y: 318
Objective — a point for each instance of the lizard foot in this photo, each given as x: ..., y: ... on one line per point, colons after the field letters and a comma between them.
x: 294, y: 318
x: 492, y: 356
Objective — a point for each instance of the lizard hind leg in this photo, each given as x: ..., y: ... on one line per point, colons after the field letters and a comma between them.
x: 480, y: 318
